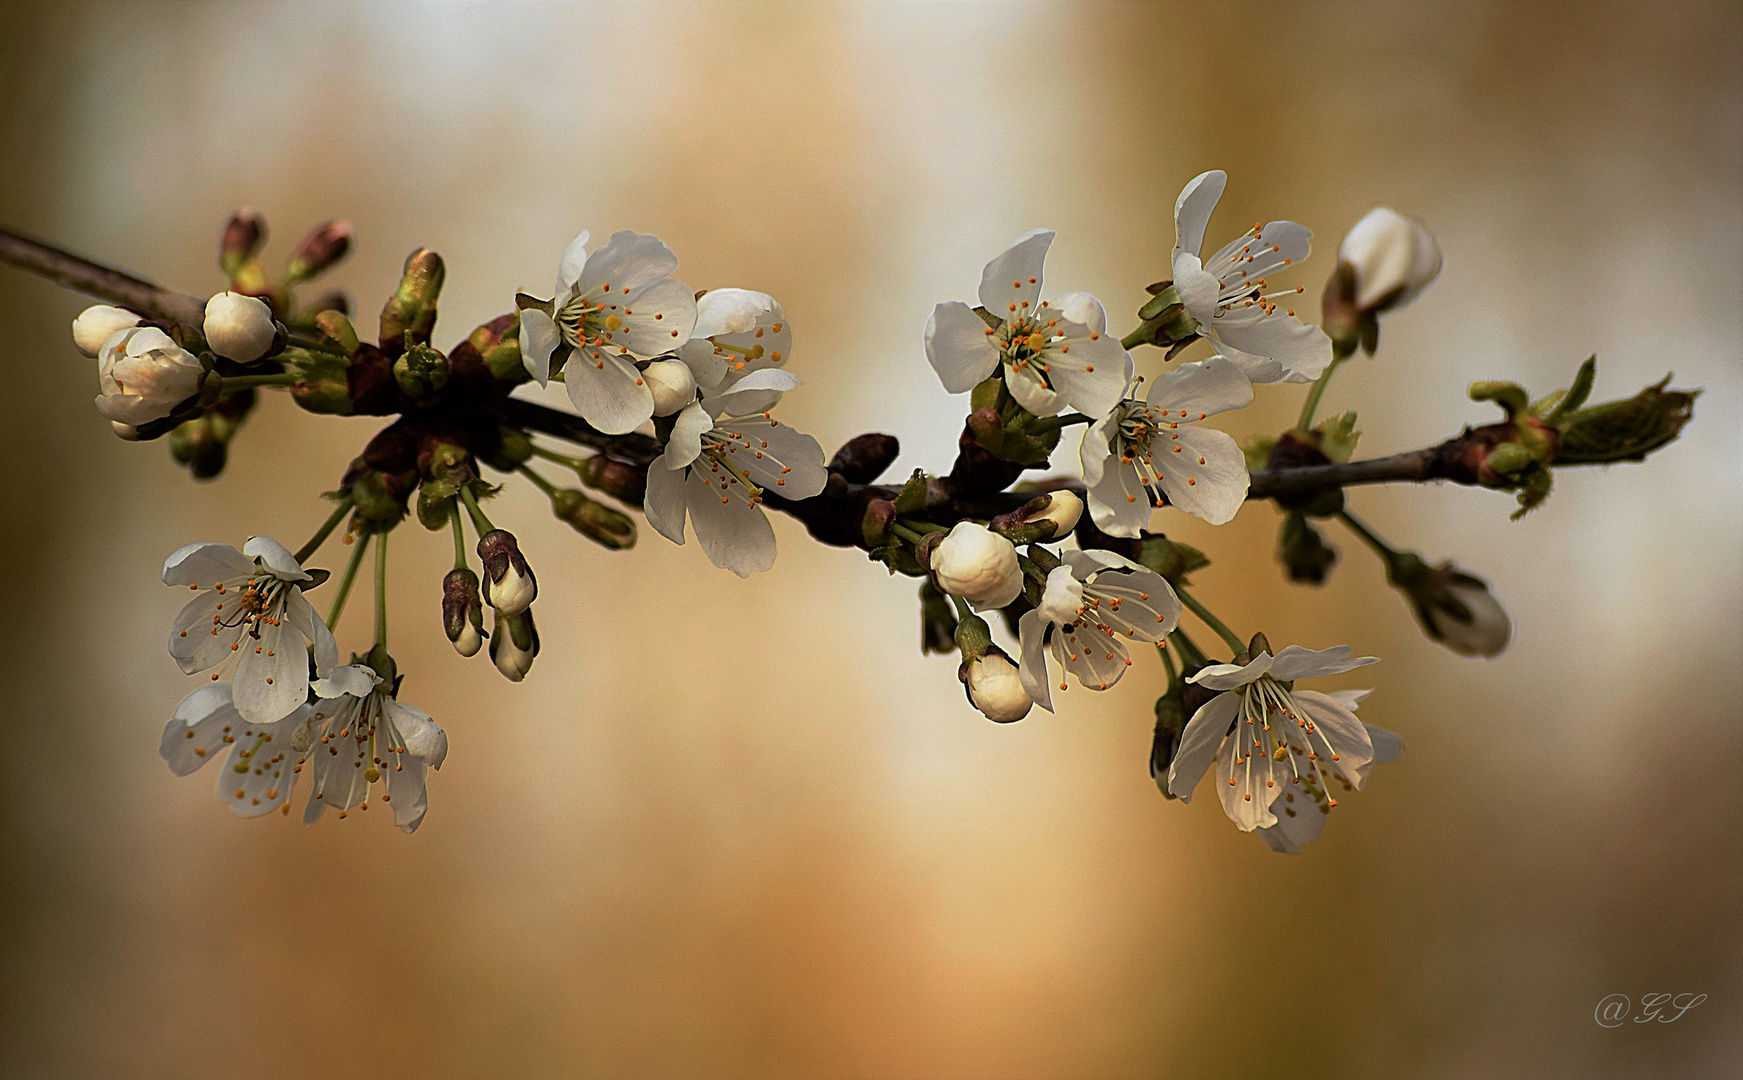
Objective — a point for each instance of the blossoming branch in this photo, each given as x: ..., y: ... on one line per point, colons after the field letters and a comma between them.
x: 676, y: 393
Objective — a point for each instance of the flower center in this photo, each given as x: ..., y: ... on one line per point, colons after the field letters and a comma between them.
x: 1272, y: 728
x: 1023, y: 339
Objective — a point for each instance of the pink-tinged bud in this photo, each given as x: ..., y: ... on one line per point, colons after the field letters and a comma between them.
x: 239, y: 327
x: 509, y: 585
x: 325, y: 245
x: 97, y: 324
x: 243, y: 236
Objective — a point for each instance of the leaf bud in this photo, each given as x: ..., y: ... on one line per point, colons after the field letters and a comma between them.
x: 420, y: 371
x: 1625, y: 430
x: 994, y: 686
x: 937, y: 621
x: 593, y: 519
x: 412, y: 308
x: 462, y: 611
x: 336, y: 329
x: 97, y: 324
x: 242, y: 238
x: 240, y: 328
x: 509, y: 585
x: 863, y: 458
x: 875, y: 526
x: 514, y: 642
x: 323, y: 247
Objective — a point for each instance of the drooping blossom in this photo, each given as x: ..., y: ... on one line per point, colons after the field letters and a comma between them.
x: 251, y: 620
x: 1054, y: 353
x: 359, y: 734
x: 260, y: 770
x: 1230, y: 294
x: 1151, y: 447
x: 1093, y: 604
x: 611, y: 307
x: 1302, y: 811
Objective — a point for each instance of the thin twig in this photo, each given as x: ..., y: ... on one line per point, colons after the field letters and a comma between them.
x: 95, y: 279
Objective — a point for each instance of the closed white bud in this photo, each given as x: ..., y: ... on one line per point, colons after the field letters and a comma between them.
x: 239, y: 327
x: 994, y: 687
x: 143, y: 376
x: 469, y: 641
x: 1063, y: 512
x: 1487, y: 631
x: 97, y: 324
x: 1394, y: 259
x: 672, y: 385
x: 126, y: 432
x: 510, y: 659
x: 979, y: 565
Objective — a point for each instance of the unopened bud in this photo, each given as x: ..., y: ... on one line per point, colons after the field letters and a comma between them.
x: 672, y: 385
x: 509, y: 585
x: 978, y: 565
x: 196, y: 444
x: 994, y: 686
x: 594, y: 520
x: 1046, y: 517
x: 420, y: 371
x: 380, y: 498
x: 513, y: 449
x: 619, y: 479
x: 239, y: 327
x: 97, y: 324
x: 937, y: 621
x: 125, y: 432
x: 1303, y: 552
x: 324, y: 246
x: 875, y: 526
x: 462, y: 612
x: 143, y: 375
x: 241, y: 240
x: 1394, y: 259
x: 514, y: 642
x: 412, y: 308
x: 1171, y: 718
x: 863, y: 458
x: 1625, y: 430
x: 335, y: 327
x: 1454, y: 608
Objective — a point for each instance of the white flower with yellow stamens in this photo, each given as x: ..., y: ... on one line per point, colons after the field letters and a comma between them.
x: 1055, y: 353
x: 738, y: 333
x: 359, y: 734
x: 258, y: 775
x: 610, y: 307
x: 1150, y: 448
x: 252, y: 615
x: 1269, y: 738
x: 1227, y: 293
x: 717, y: 469
x: 1302, y: 811
x: 1093, y: 605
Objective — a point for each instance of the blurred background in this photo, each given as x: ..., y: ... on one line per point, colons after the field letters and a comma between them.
x: 742, y: 828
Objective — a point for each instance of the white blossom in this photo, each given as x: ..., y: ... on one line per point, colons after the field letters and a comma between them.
x: 1151, y: 447
x: 359, y: 734
x: 610, y: 307
x: 1394, y: 258
x: 1055, y: 353
x: 144, y: 375
x: 1093, y: 604
x: 250, y: 619
x: 716, y: 469
x: 1302, y: 811
x: 738, y: 333
x: 239, y: 327
x: 979, y: 565
x: 995, y: 687
x: 1269, y: 738
x: 97, y: 324
x: 1227, y: 293
x: 261, y: 768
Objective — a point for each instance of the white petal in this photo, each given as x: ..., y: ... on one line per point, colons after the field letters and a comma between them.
x: 1095, y: 454
x: 735, y: 535
x: 407, y: 788
x: 272, y: 679
x: 196, y: 732
x: 1351, y: 750
x: 1199, y: 742
x: 730, y: 311
x: 539, y: 338
x: 630, y: 261
x: 783, y: 460
x: 1031, y: 634
x: 1090, y: 561
x: 1031, y: 393
x: 1202, y: 389
x: 1096, y: 658
x: 1198, y: 290
x: 1350, y: 699
x: 757, y: 392
x: 421, y: 736
x: 1089, y: 369
x: 257, y: 777
x: 1083, y: 309
x: 206, y: 565
x: 1193, y: 208
x: 705, y: 362
x: 959, y: 347
x: 1302, y: 349
x: 1011, y: 284
x: 1203, y: 472
x: 275, y: 557
x: 569, y: 269
x: 354, y: 680
x: 1300, y: 819
x: 664, y: 502
x: 607, y: 391
x: 657, y: 317
x: 1229, y: 676
x: 1148, y: 609
x: 198, y: 639
x: 684, y: 444
x: 1258, y: 782
x: 1387, y: 747
x: 1296, y: 662
x: 303, y: 619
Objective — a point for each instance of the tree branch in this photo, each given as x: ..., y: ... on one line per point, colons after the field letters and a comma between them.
x: 95, y: 279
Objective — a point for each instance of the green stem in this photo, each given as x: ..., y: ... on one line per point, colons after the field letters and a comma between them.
x: 564, y: 460
x: 963, y: 611
x: 1048, y: 424
x: 906, y: 533
x: 540, y: 482
x: 230, y: 384
x: 1311, y: 405
x: 315, y: 345
x: 324, y: 531
x: 1385, y: 550
x: 923, y: 526
x: 1210, y: 620
x: 381, y: 590
x: 346, y: 579
x: 1189, y: 650
x: 1134, y: 339
x: 459, y: 536
x: 479, y: 521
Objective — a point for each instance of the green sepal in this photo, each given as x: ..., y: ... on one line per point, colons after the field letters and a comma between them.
x: 912, y: 498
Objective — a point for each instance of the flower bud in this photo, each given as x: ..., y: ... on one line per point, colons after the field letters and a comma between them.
x: 863, y: 458
x: 420, y: 371
x: 143, y: 376
x: 202, y: 445
x: 97, y: 324
x: 1384, y: 262
x: 1171, y: 718
x: 241, y: 240
x: 514, y: 641
x: 937, y: 621
x: 994, y: 687
x: 978, y: 565
x: 239, y: 327
x: 509, y: 585
x: 412, y: 307
x: 125, y: 432
x: 1303, y: 552
x: 619, y: 479
x: 324, y: 246
x: 672, y: 385
x: 1046, y: 517
x: 594, y: 520
x: 1454, y: 608
x: 462, y: 613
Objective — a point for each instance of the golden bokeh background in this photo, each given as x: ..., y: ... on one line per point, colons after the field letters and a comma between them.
x: 741, y: 828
